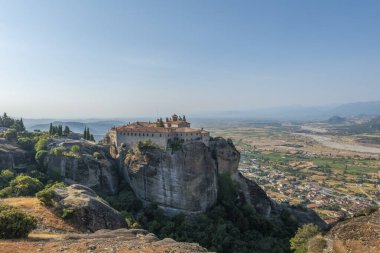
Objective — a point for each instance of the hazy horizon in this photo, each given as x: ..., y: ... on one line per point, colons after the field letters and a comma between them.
x: 118, y: 59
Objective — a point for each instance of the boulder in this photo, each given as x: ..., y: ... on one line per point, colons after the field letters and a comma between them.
x: 87, y: 210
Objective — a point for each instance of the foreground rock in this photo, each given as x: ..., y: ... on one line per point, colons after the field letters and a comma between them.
x: 103, y: 241
x: 359, y: 234
x: 85, y: 209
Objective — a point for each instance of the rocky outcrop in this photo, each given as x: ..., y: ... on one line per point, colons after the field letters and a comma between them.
x: 99, y: 173
x: 183, y: 180
x: 357, y: 234
x: 227, y: 159
x: 110, y: 241
x: 85, y: 209
x: 12, y: 156
x: 186, y: 179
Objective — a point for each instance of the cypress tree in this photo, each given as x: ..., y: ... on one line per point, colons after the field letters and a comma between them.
x: 67, y: 130
x: 59, y: 130
x: 22, y: 126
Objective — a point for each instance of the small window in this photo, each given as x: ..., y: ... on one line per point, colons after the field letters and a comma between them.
x: 139, y: 134
x: 152, y: 135
x: 160, y: 135
x: 143, y: 134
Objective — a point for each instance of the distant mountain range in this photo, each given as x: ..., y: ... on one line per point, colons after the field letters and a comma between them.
x: 302, y: 113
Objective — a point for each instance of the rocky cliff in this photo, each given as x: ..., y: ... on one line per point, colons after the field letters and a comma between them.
x: 184, y: 180
x: 12, y: 156
x: 97, y: 171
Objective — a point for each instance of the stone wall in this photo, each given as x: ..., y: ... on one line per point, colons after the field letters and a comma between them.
x: 131, y: 139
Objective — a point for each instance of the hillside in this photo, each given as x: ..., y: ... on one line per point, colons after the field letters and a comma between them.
x: 55, y: 234
x: 359, y: 234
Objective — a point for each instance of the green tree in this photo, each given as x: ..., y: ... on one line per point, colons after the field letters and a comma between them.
x: 41, y: 144
x: 7, y: 121
x: 40, y: 157
x: 75, y: 149
x: 66, y: 131
x: 299, y: 242
x: 10, y: 134
x: 60, y: 130
x: 51, y: 129
x: 25, y: 143
x: 5, y: 177
x: 15, y: 223
x: 25, y: 186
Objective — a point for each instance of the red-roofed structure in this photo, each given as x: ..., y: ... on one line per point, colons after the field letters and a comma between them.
x: 161, y: 133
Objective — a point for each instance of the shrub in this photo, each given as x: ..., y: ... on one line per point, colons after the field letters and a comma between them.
x: 10, y: 134
x: 146, y: 145
x: 40, y: 157
x: 6, y: 192
x: 5, y: 177
x: 57, y: 151
x: 75, y: 149
x: 97, y: 155
x: 46, y: 195
x: 25, y: 186
x: 25, y: 143
x: 67, y: 213
x: 15, y: 223
x: 41, y: 144
x: 299, y: 242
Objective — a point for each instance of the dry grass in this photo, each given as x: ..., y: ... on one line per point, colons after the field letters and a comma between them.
x: 47, y: 220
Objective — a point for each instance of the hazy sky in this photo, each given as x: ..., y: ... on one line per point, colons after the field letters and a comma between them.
x: 76, y: 58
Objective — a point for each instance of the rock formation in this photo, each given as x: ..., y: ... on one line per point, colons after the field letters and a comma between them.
x: 184, y: 180
x: 99, y: 173
x: 86, y: 209
x: 13, y: 157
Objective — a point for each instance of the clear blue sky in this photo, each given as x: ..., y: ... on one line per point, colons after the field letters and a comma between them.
x: 77, y: 58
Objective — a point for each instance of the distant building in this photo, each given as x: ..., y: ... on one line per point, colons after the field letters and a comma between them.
x: 161, y: 133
